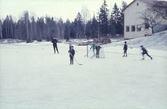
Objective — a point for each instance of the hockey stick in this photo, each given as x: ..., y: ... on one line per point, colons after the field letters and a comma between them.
x: 92, y: 56
x: 75, y: 60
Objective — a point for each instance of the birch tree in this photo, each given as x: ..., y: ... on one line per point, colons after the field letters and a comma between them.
x: 85, y: 17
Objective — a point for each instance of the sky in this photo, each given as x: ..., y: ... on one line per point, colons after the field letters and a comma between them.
x: 65, y: 9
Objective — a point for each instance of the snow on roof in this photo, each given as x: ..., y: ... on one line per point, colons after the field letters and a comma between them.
x: 151, y: 2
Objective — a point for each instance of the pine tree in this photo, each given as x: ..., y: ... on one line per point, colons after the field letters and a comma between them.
x: 5, y: 28
x: 118, y: 18
x: 120, y: 24
x: 88, y: 30
x: 67, y: 30
x: 79, y: 27
x: 40, y: 28
x: 103, y: 19
x: 94, y: 27
x: 124, y: 4
x: 116, y: 13
x: 61, y: 29
x: 112, y: 26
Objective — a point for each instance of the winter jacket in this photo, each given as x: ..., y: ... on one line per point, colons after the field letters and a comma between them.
x: 144, y: 50
x: 71, y: 51
x: 125, y: 47
x: 54, y: 41
x: 98, y: 47
x: 93, y: 46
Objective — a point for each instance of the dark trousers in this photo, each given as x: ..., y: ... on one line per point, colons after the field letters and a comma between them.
x: 97, y: 53
x: 71, y: 59
x: 55, y: 48
x: 146, y: 54
x: 125, y: 53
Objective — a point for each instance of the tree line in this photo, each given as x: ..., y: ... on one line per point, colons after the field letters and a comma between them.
x: 44, y: 28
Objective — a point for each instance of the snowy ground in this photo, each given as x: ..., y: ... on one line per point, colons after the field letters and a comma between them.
x: 32, y: 77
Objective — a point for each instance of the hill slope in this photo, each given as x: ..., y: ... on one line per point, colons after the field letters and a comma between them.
x: 156, y: 41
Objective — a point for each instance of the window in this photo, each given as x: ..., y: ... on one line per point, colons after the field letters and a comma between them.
x: 146, y: 24
x: 137, y: 4
x: 133, y: 28
x: 138, y: 28
x: 127, y: 28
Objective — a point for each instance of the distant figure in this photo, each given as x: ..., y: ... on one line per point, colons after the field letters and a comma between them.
x: 54, y: 41
x: 125, y: 48
x: 144, y: 51
x: 70, y: 45
x: 93, y: 47
x: 71, y: 54
x: 97, y: 50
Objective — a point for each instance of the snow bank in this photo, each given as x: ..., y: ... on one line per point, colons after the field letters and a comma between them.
x: 5, y: 41
x: 156, y: 41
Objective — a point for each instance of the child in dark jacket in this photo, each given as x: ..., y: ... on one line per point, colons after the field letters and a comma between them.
x: 54, y: 41
x: 98, y: 47
x: 144, y: 51
x: 71, y: 54
x: 125, y: 48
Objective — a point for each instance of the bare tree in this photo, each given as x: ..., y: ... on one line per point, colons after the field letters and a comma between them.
x: 33, y: 28
x: 85, y: 17
x: 150, y: 19
x: 61, y: 28
x: 159, y: 8
x: 78, y: 26
x: 67, y: 30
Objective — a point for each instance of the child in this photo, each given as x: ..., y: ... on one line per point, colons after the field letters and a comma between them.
x: 54, y: 41
x: 93, y: 47
x: 145, y: 52
x: 71, y: 54
x: 97, y: 50
x: 125, y: 48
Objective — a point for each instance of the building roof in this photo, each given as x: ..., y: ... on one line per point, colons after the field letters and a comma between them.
x: 160, y: 4
x: 151, y: 2
x: 128, y: 5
